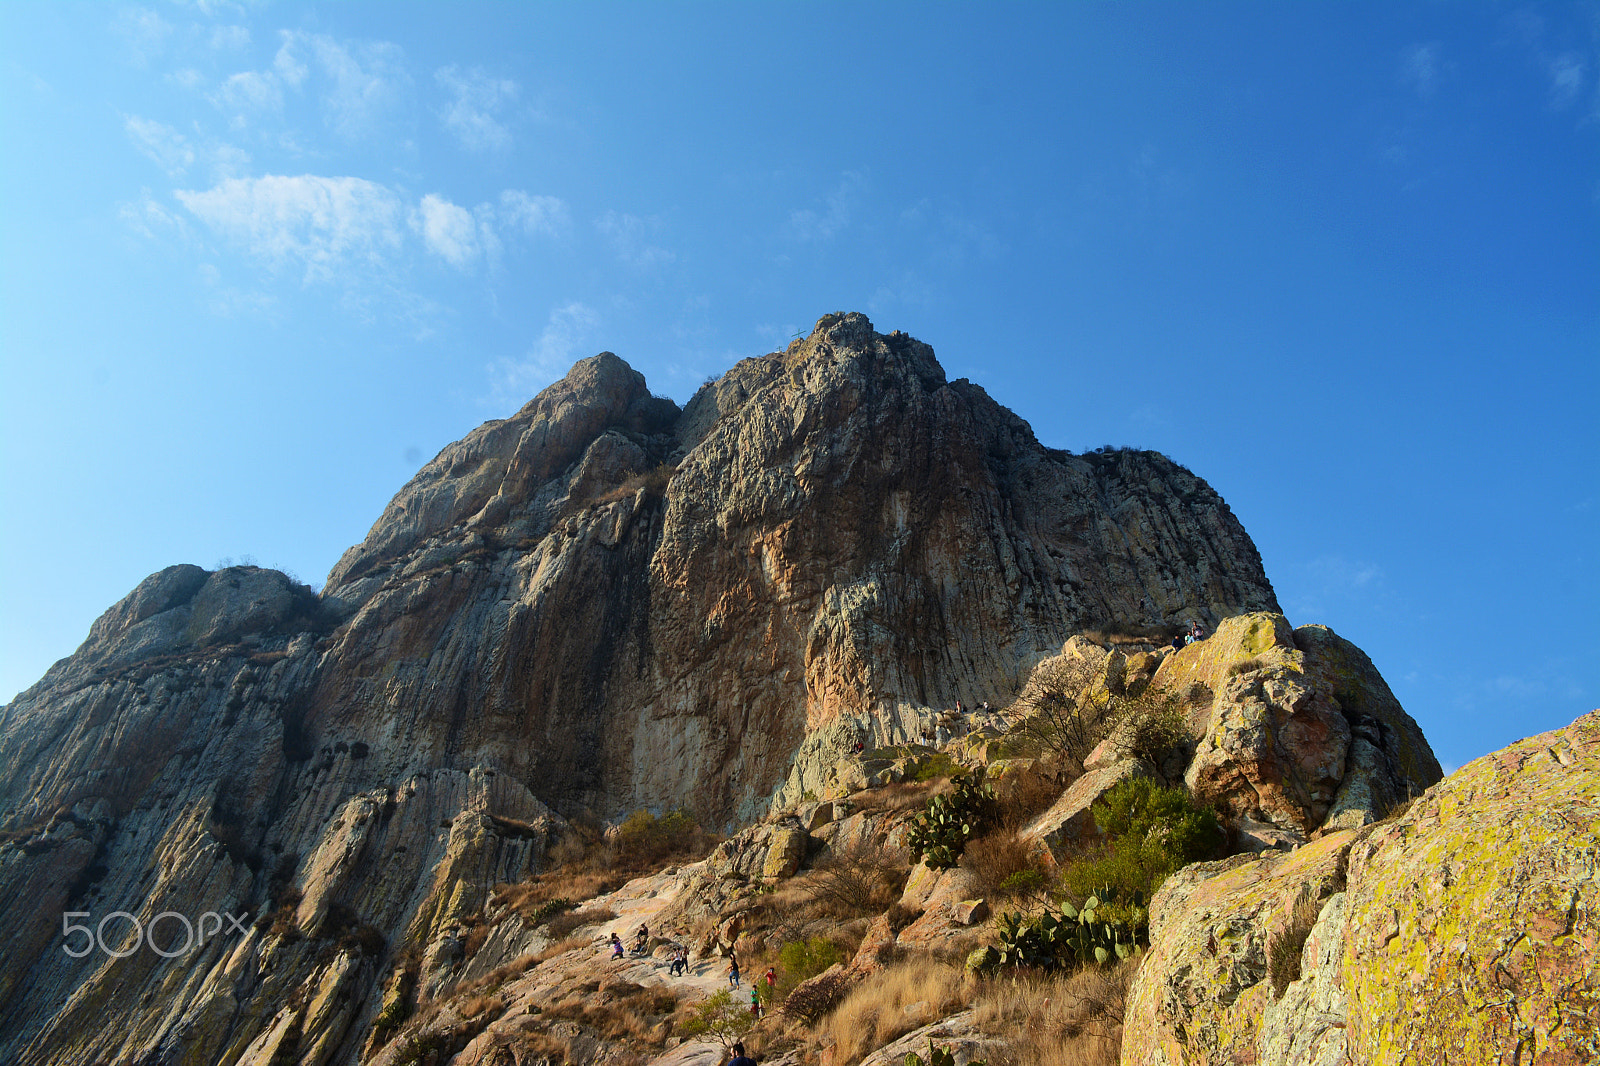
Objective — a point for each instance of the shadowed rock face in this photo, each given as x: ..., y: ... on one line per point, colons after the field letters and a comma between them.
x: 598, y: 604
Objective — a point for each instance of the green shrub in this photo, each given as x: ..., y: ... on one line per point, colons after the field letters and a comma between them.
x: 936, y: 766
x: 722, y: 1018
x: 549, y: 909
x: 1102, y: 930
x: 801, y: 960
x: 643, y: 838
x: 1155, y: 727
x: 1151, y: 830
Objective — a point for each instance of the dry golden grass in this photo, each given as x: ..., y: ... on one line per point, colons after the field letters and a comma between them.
x: 890, y: 1004
x: 899, y: 796
x: 1058, y: 1020
x: 1286, y: 942
x: 473, y: 1006
x: 561, y: 948
x: 491, y: 981
x: 855, y: 880
x: 621, y: 1011
x: 562, y: 924
x: 995, y: 859
x: 564, y: 883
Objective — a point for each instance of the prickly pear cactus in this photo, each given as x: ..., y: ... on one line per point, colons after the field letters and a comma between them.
x: 940, y: 833
x: 1083, y: 935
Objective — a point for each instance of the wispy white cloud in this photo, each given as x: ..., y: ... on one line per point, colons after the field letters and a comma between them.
x: 322, y: 224
x: 333, y: 227
x: 475, y: 100
x: 533, y: 214
x: 230, y: 302
x: 1314, y: 588
x: 834, y: 214
x: 362, y: 82
x: 250, y: 90
x: 1567, y: 74
x: 629, y: 237
x: 448, y: 230
x: 151, y: 219
x: 230, y: 37
x: 368, y: 78
x: 1422, y: 66
x: 517, y: 381
x: 144, y: 31
x: 161, y: 144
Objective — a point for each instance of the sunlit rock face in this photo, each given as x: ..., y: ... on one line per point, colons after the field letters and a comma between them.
x: 600, y: 603
x: 1464, y: 930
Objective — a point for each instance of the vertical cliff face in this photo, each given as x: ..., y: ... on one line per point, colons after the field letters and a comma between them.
x: 600, y: 603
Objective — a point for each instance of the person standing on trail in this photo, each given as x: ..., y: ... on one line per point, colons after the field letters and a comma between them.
x: 739, y: 1058
x: 755, y: 1002
x: 772, y: 977
x: 616, y: 946
x: 733, y: 971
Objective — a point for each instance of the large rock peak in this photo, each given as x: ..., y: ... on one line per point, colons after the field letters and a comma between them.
x: 599, y: 603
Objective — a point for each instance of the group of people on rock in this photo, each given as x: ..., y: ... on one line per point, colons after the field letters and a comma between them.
x: 680, y: 965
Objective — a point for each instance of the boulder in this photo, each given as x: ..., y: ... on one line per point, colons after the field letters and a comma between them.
x: 1068, y: 826
x: 970, y: 912
x: 1474, y: 920
x: 959, y: 1034
x: 814, y: 816
x: 876, y: 950
x: 1300, y: 729
x: 1203, y: 985
x: 785, y: 851
x: 1466, y: 930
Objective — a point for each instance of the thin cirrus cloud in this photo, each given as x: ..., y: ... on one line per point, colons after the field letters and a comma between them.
x: 1422, y: 67
x: 811, y: 225
x: 629, y: 235
x: 361, y: 84
x: 328, y: 227
x: 323, y: 225
x: 475, y: 100
x: 448, y: 230
x: 568, y: 326
x: 161, y: 144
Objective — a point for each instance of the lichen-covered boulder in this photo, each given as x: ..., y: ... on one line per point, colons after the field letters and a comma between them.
x: 1300, y: 733
x: 1466, y: 930
x: 1474, y: 926
x: 784, y: 853
x: 1204, y: 985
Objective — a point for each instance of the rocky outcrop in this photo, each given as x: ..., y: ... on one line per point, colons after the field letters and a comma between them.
x: 1465, y: 930
x: 1295, y: 730
x: 598, y: 604
x: 1068, y: 827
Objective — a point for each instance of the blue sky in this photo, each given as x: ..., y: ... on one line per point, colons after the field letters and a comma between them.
x: 261, y: 261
